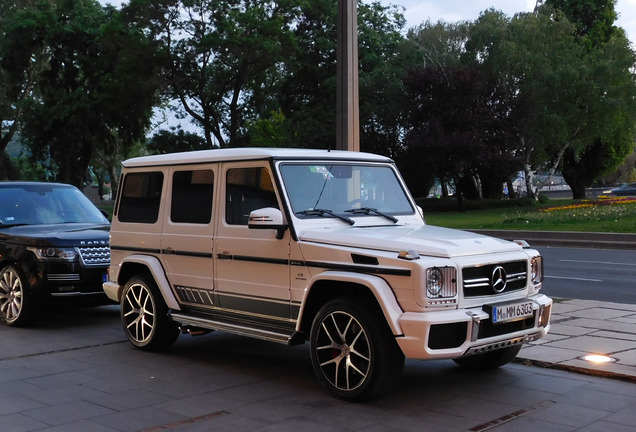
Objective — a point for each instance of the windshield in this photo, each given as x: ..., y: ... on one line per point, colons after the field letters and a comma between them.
x: 41, y: 203
x: 344, y: 190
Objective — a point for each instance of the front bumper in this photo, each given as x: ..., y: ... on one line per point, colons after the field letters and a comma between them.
x: 461, y: 332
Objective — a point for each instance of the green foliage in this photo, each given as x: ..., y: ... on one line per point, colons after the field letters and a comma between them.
x: 545, y: 99
x: 164, y: 142
x: 217, y: 55
x: 80, y: 82
x: 471, y: 101
x: 610, y: 62
x: 271, y: 131
x: 436, y: 205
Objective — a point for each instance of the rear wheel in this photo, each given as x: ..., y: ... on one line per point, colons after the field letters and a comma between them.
x: 491, y: 359
x: 353, y: 353
x: 144, y: 315
x: 15, y: 305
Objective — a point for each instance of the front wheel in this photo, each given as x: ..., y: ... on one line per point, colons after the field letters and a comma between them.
x: 353, y: 353
x: 15, y: 305
x: 144, y: 315
x: 491, y: 359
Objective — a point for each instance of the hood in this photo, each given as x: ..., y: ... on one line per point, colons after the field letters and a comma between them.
x: 70, y: 234
x: 426, y: 240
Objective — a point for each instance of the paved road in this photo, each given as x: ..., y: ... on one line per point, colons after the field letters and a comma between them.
x: 75, y: 372
x: 590, y: 274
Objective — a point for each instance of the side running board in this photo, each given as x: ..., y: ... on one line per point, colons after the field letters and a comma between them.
x: 288, y: 338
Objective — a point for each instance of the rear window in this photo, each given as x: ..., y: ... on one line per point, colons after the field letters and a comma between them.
x: 140, y: 197
x: 192, y: 196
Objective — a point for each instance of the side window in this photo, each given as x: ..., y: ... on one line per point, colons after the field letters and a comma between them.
x: 247, y: 189
x: 192, y: 196
x: 140, y: 197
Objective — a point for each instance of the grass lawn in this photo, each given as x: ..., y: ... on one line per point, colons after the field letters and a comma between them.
x: 598, y: 215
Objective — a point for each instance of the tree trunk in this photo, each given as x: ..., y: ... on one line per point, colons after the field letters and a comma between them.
x: 511, y: 190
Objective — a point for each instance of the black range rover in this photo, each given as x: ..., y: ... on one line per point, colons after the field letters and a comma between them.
x: 53, y: 247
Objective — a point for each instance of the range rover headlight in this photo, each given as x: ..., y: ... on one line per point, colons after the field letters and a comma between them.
x: 536, y: 269
x: 441, y: 282
x: 54, y: 254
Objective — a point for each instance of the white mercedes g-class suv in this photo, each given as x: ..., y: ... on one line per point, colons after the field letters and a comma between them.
x: 329, y: 247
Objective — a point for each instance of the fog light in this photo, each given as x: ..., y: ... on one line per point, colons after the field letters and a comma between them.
x: 598, y: 358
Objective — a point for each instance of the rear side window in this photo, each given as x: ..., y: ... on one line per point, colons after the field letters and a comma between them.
x: 192, y: 196
x: 140, y: 197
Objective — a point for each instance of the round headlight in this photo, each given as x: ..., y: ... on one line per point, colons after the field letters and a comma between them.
x: 434, y: 281
x: 536, y: 269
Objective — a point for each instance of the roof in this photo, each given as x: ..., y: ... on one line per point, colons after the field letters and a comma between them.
x: 245, y: 153
x: 32, y: 184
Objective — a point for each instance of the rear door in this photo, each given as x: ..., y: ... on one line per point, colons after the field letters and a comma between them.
x: 187, y: 243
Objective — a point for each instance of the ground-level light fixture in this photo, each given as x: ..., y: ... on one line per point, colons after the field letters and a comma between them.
x: 598, y: 358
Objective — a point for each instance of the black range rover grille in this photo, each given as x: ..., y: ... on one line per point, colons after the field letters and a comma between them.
x: 495, y: 279
x: 94, y: 255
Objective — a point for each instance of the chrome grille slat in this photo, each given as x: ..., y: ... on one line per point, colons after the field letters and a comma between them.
x: 477, y: 281
x: 63, y: 277
x: 94, y: 255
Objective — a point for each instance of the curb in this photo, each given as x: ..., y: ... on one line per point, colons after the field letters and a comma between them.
x: 574, y: 369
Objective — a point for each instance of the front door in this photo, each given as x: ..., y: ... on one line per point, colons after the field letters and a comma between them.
x: 252, y: 265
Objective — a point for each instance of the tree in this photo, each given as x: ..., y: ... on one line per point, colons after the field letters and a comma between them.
x: 22, y: 55
x: 303, y: 94
x: 461, y: 120
x: 216, y: 53
x: 89, y: 86
x: 610, y: 61
x: 594, y: 19
x: 164, y: 142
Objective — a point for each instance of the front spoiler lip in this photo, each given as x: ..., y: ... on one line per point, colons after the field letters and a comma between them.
x: 480, y: 349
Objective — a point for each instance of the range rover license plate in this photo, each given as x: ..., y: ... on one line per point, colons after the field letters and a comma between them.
x: 511, y: 312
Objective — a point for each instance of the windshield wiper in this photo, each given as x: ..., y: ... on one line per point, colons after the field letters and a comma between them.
x: 367, y: 210
x: 322, y: 212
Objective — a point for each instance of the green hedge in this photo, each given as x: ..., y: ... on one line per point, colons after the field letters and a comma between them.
x: 450, y: 204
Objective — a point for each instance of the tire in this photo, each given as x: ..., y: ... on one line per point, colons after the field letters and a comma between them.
x: 144, y: 315
x: 489, y: 360
x: 16, y: 309
x: 353, y: 353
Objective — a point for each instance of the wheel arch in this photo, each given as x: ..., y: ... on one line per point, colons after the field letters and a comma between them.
x: 136, y: 264
x: 331, y: 285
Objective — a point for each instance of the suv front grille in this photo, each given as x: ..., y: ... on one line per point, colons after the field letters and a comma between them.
x: 94, y: 255
x: 495, y: 279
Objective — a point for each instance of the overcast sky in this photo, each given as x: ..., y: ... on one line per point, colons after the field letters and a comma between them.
x: 418, y: 11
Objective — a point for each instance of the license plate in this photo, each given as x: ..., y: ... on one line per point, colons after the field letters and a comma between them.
x: 511, y: 312
x: 105, y: 277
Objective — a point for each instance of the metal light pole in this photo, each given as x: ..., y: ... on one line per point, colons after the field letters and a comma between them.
x: 347, y: 110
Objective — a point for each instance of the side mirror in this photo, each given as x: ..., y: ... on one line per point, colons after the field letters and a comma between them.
x: 268, y: 218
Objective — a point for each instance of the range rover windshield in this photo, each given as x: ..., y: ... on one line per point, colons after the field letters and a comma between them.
x: 39, y: 203
x: 344, y: 191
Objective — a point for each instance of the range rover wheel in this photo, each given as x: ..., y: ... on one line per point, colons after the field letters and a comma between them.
x: 353, y: 353
x: 491, y: 359
x: 144, y: 315
x: 15, y: 305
